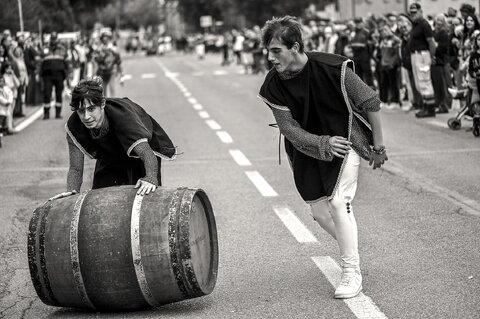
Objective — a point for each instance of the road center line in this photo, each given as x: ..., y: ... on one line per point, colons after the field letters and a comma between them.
x: 437, y: 123
x: 261, y: 184
x: 148, y: 75
x: 197, y: 106
x: 204, y: 114
x: 225, y: 137
x: 192, y: 100
x: 239, y: 158
x: 213, y: 125
x: 362, y: 306
x: 295, y: 226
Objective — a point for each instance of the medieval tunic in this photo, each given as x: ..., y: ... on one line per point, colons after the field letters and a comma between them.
x: 317, y: 99
x: 128, y: 126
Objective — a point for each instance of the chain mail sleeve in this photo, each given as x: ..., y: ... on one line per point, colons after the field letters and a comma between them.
x: 145, y: 152
x: 310, y: 144
x: 75, y: 172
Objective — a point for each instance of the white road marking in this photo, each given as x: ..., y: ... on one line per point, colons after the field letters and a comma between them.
x: 261, y: 184
x: 203, y: 114
x: 169, y: 74
x: 192, y: 100
x: 29, y: 120
x: 438, y: 123
x: 225, y: 137
x: 148, y: 75
x: 198, y: 106
x: 295, y: 226
x: 213, y: 125
x: 127, y: 77
x: 219, y: 72
x: 468, y: 205
x: 362, y: 306
x: 241, y: 159
x: 187, y: 94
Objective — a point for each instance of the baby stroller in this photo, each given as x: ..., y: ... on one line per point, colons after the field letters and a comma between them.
x: 471, y: 109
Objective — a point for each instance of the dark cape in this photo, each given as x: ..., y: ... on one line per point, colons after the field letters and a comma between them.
x: 318, y: 101
x: 129, y: 125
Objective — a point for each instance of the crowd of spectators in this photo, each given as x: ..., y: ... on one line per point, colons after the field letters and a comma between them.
x: 39, y: 70
x: 411, y: 59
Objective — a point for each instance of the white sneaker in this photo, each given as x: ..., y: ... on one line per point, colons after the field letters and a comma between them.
x: 350, y: 285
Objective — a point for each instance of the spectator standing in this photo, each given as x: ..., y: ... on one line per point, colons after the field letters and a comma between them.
x: 109, y: 64
x: 53, y: 71
x: 238, y: 40
x: 20, y: 69
x: 12, y: 82
x: 361, y: 52
x: 389, y: 66
x: 405, y: 27
x: 32, y: 62
x: 422, y: 49
x: 441, y: 66
x: 6, y: 107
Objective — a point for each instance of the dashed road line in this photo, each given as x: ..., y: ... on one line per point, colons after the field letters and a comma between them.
x: 197, y: 106
x: 261, y: 184
x: 187, y: 94
x: 225, y: 137
x: 148, y: 75
x: 203, y: 114
x: 192, y: 100
x: 362, y: 306
x: 220, y: 72
x: 213, y: 125
x: 295, y: 226
x: 240, y: 158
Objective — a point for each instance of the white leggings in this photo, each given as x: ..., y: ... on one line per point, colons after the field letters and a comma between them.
x: 336, y: 215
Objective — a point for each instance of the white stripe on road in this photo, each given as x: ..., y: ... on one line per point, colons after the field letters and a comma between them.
x: 225, y: 137
x: 261, y: 184
x: 241, y: 159
x: 127, y: 77
x: 437, y: 123
x: 362, y: 306
x: 203, y: 114
x: 29, y: 120
x: 219, y: 72
x: 192, y: 100
x: 197, y: 106
x: 213, y: 125
x: 295, y: 226
x: 187, y: 94
x: 148, y: 75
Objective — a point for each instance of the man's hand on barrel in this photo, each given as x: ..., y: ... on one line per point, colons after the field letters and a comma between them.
x: 144, y: 187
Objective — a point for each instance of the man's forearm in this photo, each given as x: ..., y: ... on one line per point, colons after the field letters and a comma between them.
x: 376, y: 123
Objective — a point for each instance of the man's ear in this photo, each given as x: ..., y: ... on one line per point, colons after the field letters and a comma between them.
x: 296, y: 47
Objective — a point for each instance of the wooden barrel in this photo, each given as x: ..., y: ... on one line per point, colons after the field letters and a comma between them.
x: 110, y: 249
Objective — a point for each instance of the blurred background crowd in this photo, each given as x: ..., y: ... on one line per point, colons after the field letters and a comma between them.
x: 48, y: 52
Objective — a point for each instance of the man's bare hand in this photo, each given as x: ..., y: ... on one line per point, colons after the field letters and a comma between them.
x: 144, y: 187
x: 339, y: 146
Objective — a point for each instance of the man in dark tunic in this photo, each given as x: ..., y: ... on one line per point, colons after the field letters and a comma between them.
x: 330, y: 119
x: 127, y: 143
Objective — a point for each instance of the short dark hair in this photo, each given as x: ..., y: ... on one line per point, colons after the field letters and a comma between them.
x: 286, y: 29
x: 88, y: 89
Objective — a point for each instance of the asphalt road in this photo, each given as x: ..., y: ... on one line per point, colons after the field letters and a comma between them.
x: 418, y: 218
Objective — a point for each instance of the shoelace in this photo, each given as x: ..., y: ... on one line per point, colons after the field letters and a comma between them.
x: 346, y: 278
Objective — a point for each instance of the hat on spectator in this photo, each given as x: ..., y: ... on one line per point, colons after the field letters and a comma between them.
x: 451, y: 12
x: 414, y: 7
x: 467, y: 8
x: 403, y: 15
